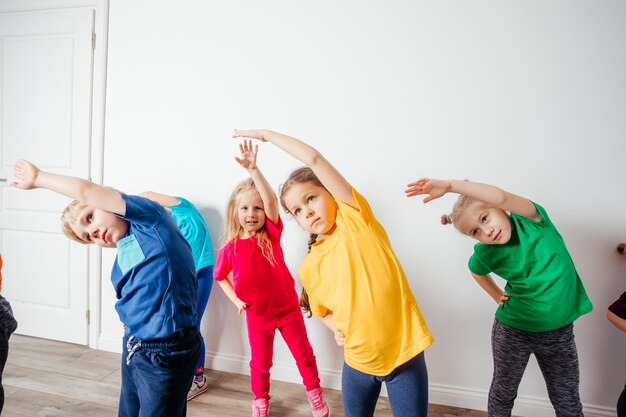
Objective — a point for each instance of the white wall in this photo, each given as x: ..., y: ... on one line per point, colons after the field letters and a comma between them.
x: 528, y: 95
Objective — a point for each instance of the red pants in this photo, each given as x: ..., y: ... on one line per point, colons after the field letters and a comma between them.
x: 261, y: 330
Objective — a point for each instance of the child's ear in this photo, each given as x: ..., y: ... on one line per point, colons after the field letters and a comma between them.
x: 621, y: 248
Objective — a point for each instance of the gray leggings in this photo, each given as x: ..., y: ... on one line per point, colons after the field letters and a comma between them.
x: 558, y: 360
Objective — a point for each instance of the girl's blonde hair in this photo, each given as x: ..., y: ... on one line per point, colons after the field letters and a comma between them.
x: 301, y: 176
x: 462, y: 203
x: 69, y: 217
x: 233, y: 229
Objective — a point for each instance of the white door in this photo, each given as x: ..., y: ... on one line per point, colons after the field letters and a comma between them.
x: 45, y: 115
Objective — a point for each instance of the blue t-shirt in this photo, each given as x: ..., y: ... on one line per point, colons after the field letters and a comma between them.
x: 154, y: 275
x: 194, y: 229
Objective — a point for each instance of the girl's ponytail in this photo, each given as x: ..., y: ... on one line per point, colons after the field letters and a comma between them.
x: 312, y: 240
x: 304, y: 297
x: 458, y: 210
x: 446, y: 219
x: 304, y: 303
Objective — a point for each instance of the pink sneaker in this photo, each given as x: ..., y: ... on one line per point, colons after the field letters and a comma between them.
x: 261, y: 408
x: 319, y: 406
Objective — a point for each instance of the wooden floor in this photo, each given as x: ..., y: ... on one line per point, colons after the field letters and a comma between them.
x: 43, y: 378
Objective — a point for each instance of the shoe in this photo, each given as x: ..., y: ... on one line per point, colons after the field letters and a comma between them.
x: 318, y: 405
x: 261, y: 408
x: 197, y: 387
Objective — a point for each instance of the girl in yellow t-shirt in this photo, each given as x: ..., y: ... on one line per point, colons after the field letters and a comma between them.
x: 355, y: 284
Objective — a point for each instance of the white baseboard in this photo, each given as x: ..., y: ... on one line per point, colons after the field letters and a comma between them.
x: 110, y: 343
x: 457, y: 397
x: 525, y: 406
x: 280, y: 371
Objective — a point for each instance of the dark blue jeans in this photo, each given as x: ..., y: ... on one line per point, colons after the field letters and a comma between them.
x: 205, y: 282
x: 157, y: 374
x: 407, y: 387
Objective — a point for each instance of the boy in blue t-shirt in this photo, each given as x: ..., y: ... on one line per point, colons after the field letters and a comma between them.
x: 155, y: 283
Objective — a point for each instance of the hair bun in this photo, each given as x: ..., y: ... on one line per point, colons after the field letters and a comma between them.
x: 445, y: 219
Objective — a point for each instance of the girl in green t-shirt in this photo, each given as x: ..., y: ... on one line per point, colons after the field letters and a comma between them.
x: 543, y: 295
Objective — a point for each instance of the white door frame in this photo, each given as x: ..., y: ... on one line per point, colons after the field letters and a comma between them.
x: 101, y: 9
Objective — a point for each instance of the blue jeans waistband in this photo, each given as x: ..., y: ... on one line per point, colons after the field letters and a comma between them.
x: 182, y: 339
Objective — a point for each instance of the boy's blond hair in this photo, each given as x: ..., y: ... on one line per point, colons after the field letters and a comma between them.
x: 69, y: 217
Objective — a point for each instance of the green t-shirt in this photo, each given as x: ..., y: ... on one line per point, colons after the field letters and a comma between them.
x: 544, y: 288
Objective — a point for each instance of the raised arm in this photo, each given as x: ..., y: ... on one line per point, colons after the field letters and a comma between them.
x: 488, y: 193
x: 247, y: 159
x: 163, y: 199
x: 94, y: 195
x: 334, y: 182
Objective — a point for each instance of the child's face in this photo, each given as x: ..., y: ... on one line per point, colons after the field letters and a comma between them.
x: 250, y: 212
x: 100, y: 227
x: 313, y: 207
x: 488, y: 225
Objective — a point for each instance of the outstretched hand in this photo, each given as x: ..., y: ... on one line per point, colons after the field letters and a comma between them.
x: 434, y: 188
x: 27, y: 173
x: 248, y: 154
x: 251, y: 134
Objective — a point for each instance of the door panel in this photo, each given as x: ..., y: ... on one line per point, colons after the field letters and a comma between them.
x: 45, y: 113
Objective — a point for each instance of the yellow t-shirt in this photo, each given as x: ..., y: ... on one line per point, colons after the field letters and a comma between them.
x: 355, y: 275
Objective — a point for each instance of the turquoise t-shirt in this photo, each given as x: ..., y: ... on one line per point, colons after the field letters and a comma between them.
x: 544, y: 288
x: 195, y: 231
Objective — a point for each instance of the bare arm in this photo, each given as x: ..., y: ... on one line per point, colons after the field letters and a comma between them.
x: 229, y: 290
x: 488, y: 193
x: 247, y: 160
x: 94, y: 195
x: 487, y: 283
x: 616, y: 320
x: 334, y: 182
x: 328, y: 322
x: 163, y: 199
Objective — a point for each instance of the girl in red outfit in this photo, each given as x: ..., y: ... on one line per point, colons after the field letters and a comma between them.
x: 262, y: 284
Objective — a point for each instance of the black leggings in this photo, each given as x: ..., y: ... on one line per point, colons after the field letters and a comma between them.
x: 7, y: 326
x: 621, y: 404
